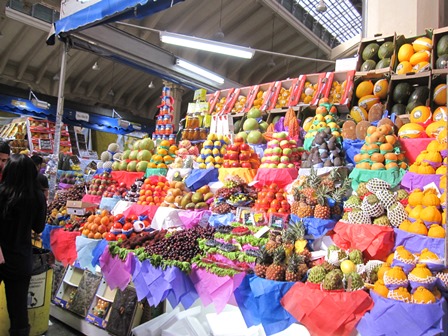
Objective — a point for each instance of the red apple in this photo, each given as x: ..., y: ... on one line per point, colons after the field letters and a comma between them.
x: 238, y: 138
x: 244, y: 157
x: 245, y: 147
x: 233, y: 156
x: 246, y: 165
x: 236, y: 164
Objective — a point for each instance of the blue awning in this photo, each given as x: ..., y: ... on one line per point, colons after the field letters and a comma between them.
x: 111, y: 10
x: 96, y: 121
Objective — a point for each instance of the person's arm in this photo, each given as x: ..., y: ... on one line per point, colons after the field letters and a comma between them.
x: 41, y: 215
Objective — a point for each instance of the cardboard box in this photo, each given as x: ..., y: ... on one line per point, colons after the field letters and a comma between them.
x: 437, y: 34
x: 400, y: 40
x: 379, y: 39
x: 79, y: 207
x: 420, y: 79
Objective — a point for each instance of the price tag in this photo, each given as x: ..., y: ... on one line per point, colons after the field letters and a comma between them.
x: 45, y: 144
x: 82, y: 116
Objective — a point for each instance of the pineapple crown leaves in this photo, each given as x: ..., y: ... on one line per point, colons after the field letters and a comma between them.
x: 339, y: 193
x: 264, y: 258
x: 313, y: 180
x: 295, y: 261
x: 279, y: 255
x: 297, y: 225
x: 322, y: 195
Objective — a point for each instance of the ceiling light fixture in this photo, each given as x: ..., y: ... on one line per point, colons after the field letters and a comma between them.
x: 95, y: 67
x: 199, y: 71
x: 37, y: 102
x: 207, y: 45
x: 151, y: 85
x: 321, y: 7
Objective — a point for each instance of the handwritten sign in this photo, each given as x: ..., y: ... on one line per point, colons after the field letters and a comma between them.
x: 45, y: 144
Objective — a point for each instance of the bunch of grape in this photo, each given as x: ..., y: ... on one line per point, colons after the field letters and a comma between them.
x: 221, y: 208
x: 181, y: 245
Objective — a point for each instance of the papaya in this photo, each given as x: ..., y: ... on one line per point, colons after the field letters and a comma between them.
x: 442, y: 46
x: 402, y: 92
x: 370, y: 51
x: 386, y: 50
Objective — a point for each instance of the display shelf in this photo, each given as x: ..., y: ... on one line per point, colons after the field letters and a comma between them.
x: 70, y: 283
x: 104, y: 298
x: 76, y: 322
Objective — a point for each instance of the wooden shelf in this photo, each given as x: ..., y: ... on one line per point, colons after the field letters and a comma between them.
x: 76, y: 322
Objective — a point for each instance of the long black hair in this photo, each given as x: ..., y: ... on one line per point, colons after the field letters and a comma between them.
x: 19, y: 183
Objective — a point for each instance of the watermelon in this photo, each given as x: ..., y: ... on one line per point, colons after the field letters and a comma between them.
x: 420, y: 93
x: 442, y: 46
x: 398, y: 109
x: 442, y: 62
x: 386, y: 50
x: 368, y: 65
x: 370, y: 51
x: 384, y: 63
x: 402, y: 92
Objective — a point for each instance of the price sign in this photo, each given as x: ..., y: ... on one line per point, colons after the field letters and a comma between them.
x: 45, y: 144
x: 82, y: 116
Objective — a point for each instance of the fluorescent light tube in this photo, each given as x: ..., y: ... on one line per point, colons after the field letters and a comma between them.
x: 200, y: 71
x: 207, y: 45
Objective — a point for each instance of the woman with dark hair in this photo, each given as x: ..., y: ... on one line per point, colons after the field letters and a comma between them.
x: 22, y: 209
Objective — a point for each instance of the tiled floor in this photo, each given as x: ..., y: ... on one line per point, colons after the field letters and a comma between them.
x: 57, y: 328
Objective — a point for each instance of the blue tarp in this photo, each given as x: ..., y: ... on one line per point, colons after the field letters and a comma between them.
x: 111, y: 10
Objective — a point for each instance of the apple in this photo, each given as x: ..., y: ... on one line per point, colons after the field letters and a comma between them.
x: 284, y: 144
x: 291, y: 165
x: 280, y: 135
x: 244, y: 157
x: 273, y: 143
x: 275, y: 159
x: 293, y: 142
x: 235, y: 164
x: 246, y: 165
x: 244, y: 147
x: 287, y: 151
x: 272, y: 165
x: 238, y: 138
x: 284, y: 159
x: 226, y: 156
x: 264, y: 159
x: 277, y: 151
x: 233, y: 156
x: 264, y: 165
x: 282, y: 165
x: 226, y: 164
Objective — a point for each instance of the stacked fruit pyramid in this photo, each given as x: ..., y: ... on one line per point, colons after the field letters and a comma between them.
x: 164, y: 155
x: 109, y: 157
x: 415, y: 56
x: 381, y: 150
x: 100, y: 182
x: 431, y: 161
x: 136, y: 158
x: 240, y: 154
x: 377, y: 56
x: 375, y: 203
x: 281, y: 153
x: 285, y: 256
x: 319, y: 197
x: 425, y: 215
x: 272, y: 199
x: 213, y: 151
x: 409, y: 277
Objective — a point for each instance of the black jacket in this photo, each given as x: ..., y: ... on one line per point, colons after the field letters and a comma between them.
x: 15, y: 234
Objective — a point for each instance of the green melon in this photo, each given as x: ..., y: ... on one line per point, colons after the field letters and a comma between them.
x: 237, y: 126
x: 442, y: 62
x: 368, y: 65
x: 442, y: 46
x: 398, y: 109
x: 413, y: 104
x: 384, y: 63
x: 402, y: 92
x: 370, y: 51
x: 420, y: 93
x: 386, y: 50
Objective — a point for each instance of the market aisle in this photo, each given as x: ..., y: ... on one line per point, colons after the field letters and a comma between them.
x: 58, y: 328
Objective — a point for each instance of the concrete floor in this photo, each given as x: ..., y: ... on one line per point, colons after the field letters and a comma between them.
x: 57, y: 328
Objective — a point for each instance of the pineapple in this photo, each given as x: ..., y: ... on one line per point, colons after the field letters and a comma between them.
x: 276, y: 271
x: 322, y: 210
x: 288, y: 239
x: 332, y: 179
x: 338, y: 195
x: 299, y: 233
x: 292, y: 271
x: 275, y: 240
x: 304, y: 210
x: 309, y: 191
x: 262, y: 263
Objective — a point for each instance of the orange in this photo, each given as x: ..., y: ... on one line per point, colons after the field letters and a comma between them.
x: 91, y: 218
x: 105, y: 220
x: 405, y: 52
x: 165, y: 143
x: 97, y: 220
x: 104, y: 213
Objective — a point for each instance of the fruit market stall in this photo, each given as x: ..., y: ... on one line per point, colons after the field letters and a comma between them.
x: 291, y: 221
